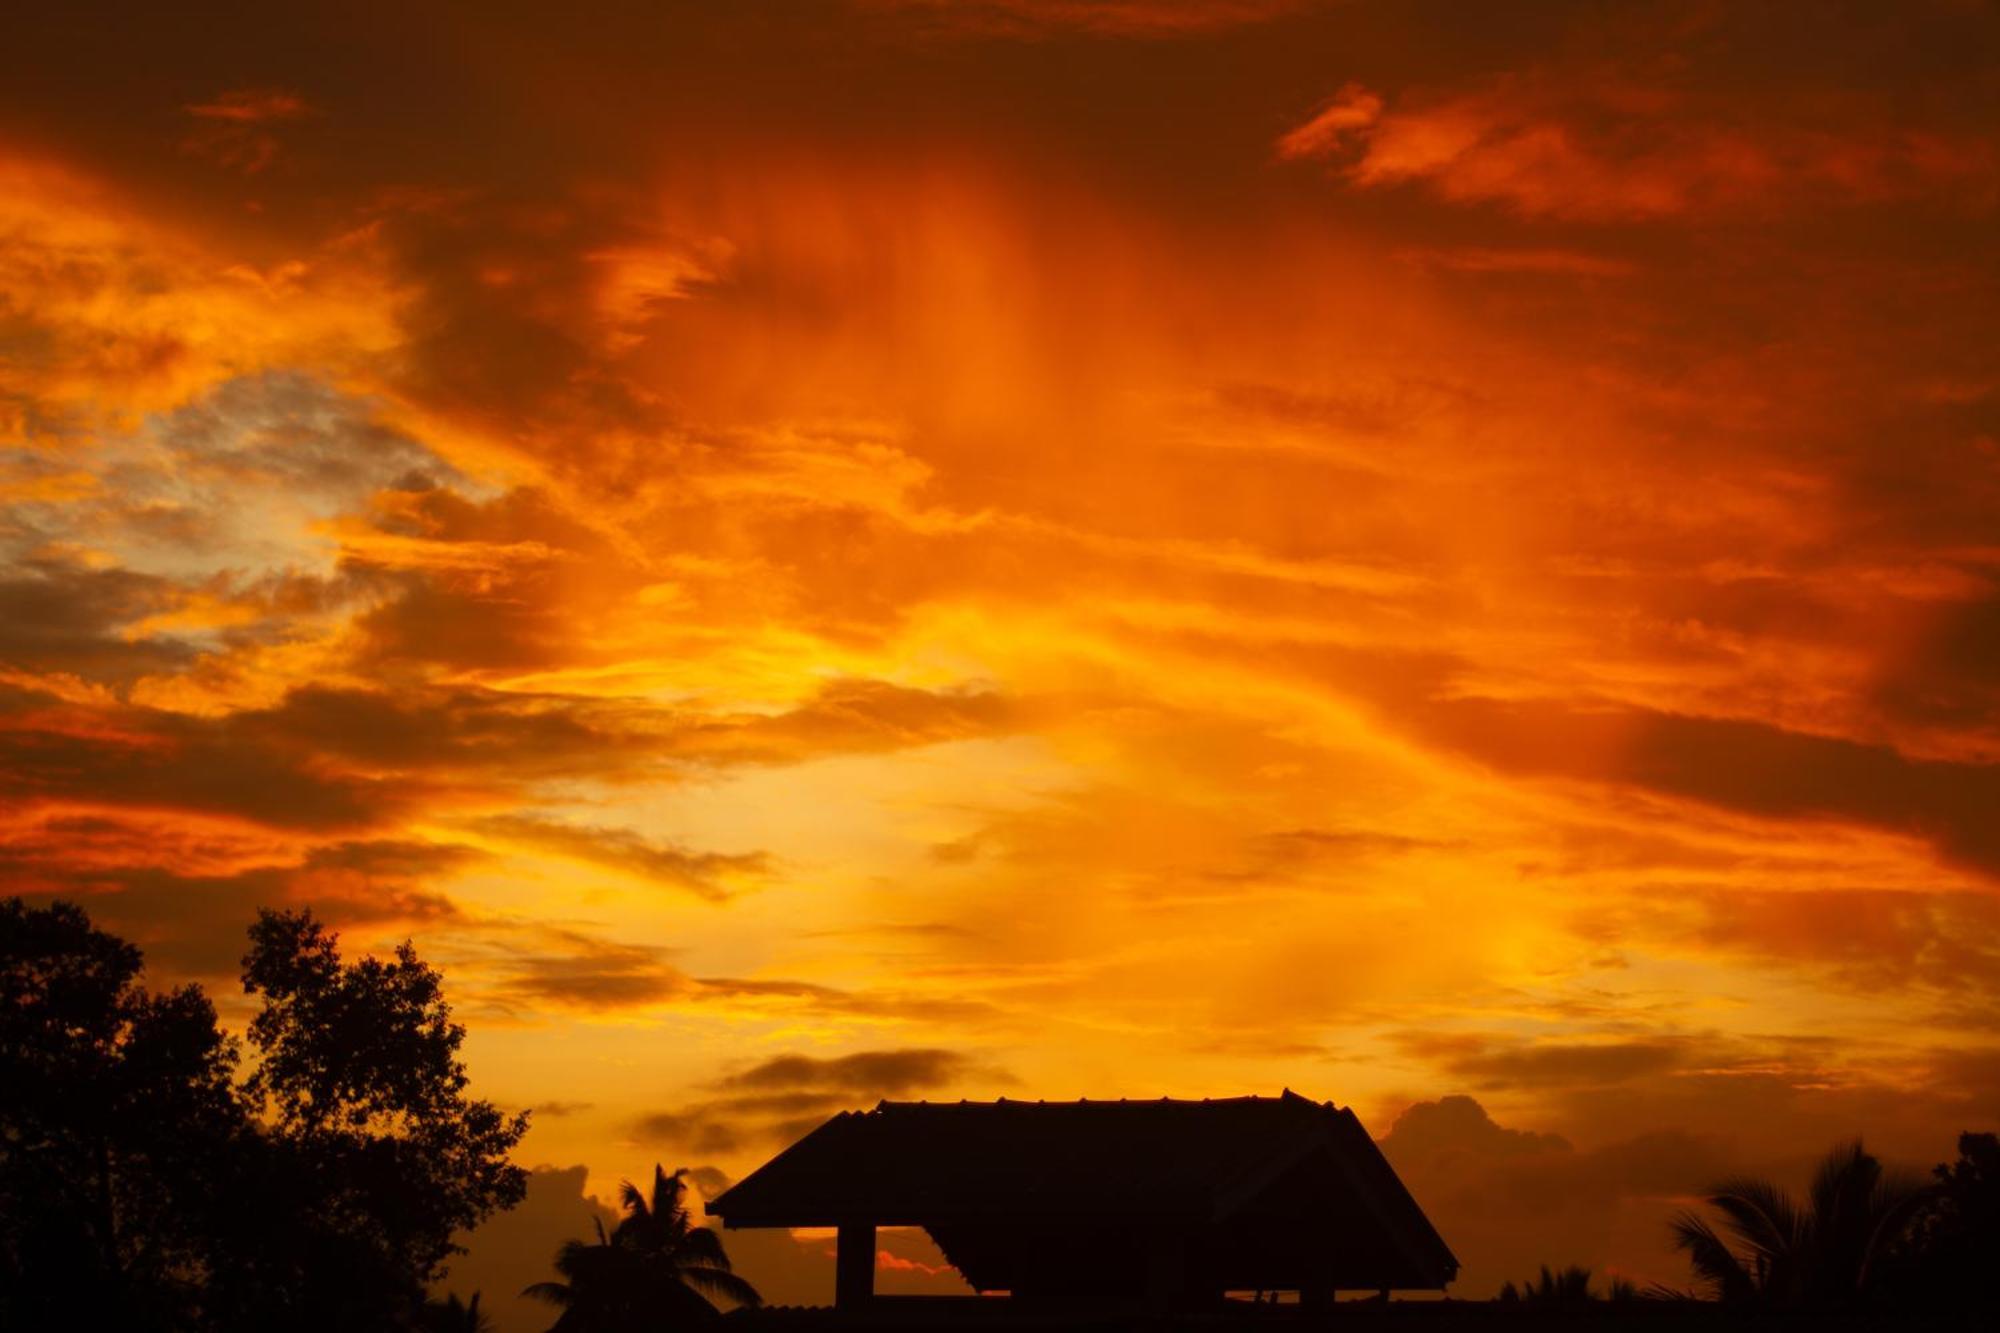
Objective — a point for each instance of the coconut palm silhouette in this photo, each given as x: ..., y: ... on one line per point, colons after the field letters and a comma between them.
x: 452, y: 1315
x: 655, y: 1269
x: 1567, y: 1286
x: 1832, y: 1248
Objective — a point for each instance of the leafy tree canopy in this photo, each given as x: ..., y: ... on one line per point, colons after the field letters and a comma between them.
x: 144, y: 1185
x: 115, y: 1106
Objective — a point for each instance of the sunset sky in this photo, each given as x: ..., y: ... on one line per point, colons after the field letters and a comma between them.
x: 813, y: 551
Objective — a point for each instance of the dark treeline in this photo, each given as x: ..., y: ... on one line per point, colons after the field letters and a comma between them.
x: 152, y: 1178
x: 147, y: 1182
x: 1863, y: 1239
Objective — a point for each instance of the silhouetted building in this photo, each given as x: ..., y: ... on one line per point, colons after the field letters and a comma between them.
x: 1166, y: 1203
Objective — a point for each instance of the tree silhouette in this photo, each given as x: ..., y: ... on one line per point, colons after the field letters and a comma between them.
x: 1568, y: 1286
x: 116, y: 1105
x: 451, y: 1315
x: 369, y: 1123
x: 369, y: 1130
x: 142, y: 1187
x: 1832, y: 1249
x: 604, y: 1288
x: 661, y: 1228
x: 1955, y: 1245
x: 655, y: 1269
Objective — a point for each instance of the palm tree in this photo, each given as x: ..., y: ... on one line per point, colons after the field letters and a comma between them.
x: 661, y: 1229
x: 1828, y: 1250
x: 1568, y: 1286
x: 655, y: 1269
x: 451, y: 1315
x: 604, y: 1288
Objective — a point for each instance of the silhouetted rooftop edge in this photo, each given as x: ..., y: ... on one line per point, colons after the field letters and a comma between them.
x: 1303, y: 1175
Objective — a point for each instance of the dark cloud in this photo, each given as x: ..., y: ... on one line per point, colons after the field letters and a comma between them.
x: 1750, y: 767
x: 852, y: 717
x: 704, y: 874
x: 479, y: 585
x: 543, y: 969
x: 190, y: 923
x: 156, y: 760
x: 1289, y: 854
x: 572, y: 970
x: 1567, y: 1064
x: 884, y: 1073
x: 907, y: 1005
x: 1509, y: 1200
x: 1865, y: 939
x: 1655, y: 114
x: 708, y: 1181
x: 1458, y: 1125
x: 1950, y: 678
x: 467, y: 731
x: 61, y: 616
x: 779, y: 1099
x: 688, y: 1131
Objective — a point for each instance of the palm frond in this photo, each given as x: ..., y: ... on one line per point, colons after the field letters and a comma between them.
x: 1715, y: 1265
x: 555, y: 1293
x: 720, y: 1282
x: 572, y: 1255
x: 702, y: 1246
x: 669, y: 1197
x: 1764, y: 1218
x: 1899, y: 1199
x: 1844, y: 1180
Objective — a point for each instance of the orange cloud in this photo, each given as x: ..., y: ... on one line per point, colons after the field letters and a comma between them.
x: 250, y: 105
x: 1608, y: 146
x: 234, y: 135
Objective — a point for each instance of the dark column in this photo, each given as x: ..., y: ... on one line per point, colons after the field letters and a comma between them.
x: 854, y: 1265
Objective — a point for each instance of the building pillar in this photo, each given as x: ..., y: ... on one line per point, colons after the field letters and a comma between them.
x: 854, y: 1265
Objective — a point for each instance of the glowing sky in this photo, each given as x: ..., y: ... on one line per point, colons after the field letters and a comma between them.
x: 815, y: 551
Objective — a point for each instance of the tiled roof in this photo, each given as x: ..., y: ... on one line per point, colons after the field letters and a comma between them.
x: 944, y: 1163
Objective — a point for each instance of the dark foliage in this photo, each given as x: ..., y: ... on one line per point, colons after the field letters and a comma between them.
x: 1840, y: 1247
x: 142, y: 1186
x: 369, y: 1127
x: 1953, y: 1257
x: 655, y: 1270
x: 452, y: 1315
x: 1567, y: 1286
x: 115, y: 1107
